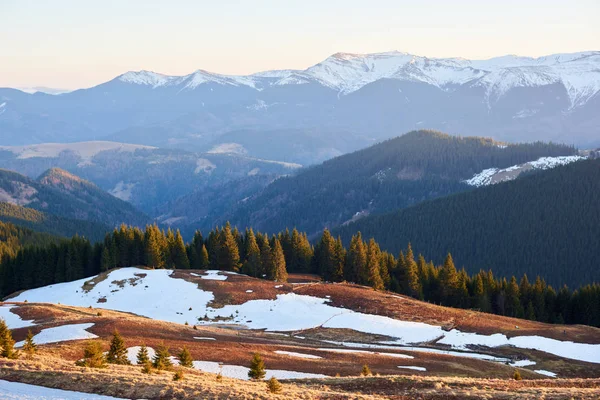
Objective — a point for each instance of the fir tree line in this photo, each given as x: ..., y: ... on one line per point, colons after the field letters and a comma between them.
x: 259, y: 255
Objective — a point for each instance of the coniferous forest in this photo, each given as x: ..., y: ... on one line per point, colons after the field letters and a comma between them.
x: 256, y: 254
x: 547, y: 223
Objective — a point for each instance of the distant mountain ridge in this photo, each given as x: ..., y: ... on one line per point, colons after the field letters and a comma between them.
x: 390, y: 175
x: 347, y: 102
x: 63, y: 194
x: 147, y: 177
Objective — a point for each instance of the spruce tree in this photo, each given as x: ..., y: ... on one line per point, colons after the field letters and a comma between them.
x: 117, y: 353
x: 373, y: 269
x: 93, y: 356
x: 162, y: 358
x: 274, y: 386
x: 252, y: 263
x: 185, y: 358
x: 278, y: 270
x: 257, y: 368
x: 8, y: 345
x: 356, y: 260
x: 142, y: 355
x: 411, y: 283
x: 366, y: 371
x: 179, y: 256
x: 449, y: 281
x: 266, y: 255
x: 29, y: 347
x: 228, y: 256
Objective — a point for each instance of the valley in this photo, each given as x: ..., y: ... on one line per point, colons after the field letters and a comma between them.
x: 217, y: 200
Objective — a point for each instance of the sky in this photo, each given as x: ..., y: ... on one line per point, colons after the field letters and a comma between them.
x: 80, y: 43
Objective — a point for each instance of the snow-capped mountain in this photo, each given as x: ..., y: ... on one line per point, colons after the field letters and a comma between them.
x: 346, y: 101
x: 347, y: 73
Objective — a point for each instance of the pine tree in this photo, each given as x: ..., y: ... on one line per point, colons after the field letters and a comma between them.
x: 252, y: 261
x: 29, y: 348
x: 185, y: 358
x: 411, y: 283
x: 257, y: 368
x: 93, y: 356
x: 203, y: 261
x: 449, y: 281
x: 162, y: 358
x: 366, y: 371
x: 273, y: 385
x: 326, y: 259
x: 513, y: 302
x: 517, y: 375
x: 373, y: 269
x: 278, y: 271
x: 266, y: 255
x: 117, y: 353
x: 179, y: 256
x: 8, y: 345
x: 153, y: 247
x: 142, y: 355
x: 228, y: 256
x: 178, y: 375
x: 356, y: 259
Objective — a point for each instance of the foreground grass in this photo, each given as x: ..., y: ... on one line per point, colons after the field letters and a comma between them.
x: 130, y: 382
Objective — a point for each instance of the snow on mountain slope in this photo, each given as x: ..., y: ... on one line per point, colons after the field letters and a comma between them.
x: 143, y: 292
x: 145, y: 78
x: 347, y: 73
x: 23, y: 391
x: 86, y: 150
x: 491, y: 176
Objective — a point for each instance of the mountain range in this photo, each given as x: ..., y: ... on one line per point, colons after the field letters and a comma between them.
x: 344, y: 103
x: 60, y: 193
x: 147, y: 177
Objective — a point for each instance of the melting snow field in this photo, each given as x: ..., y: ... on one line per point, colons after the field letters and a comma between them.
x: 62, y: 334
x: 413, y: 368
x: 486, y: 177
x: 298, y: 355
x: 143, y: 292
x: 13, y: 320
x: 239, y: 372
x: 566, y: 349
x: 366, y: 352
x: 22, y: 391
x: 544, y: 372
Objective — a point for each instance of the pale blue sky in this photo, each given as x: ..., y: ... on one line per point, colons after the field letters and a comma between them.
x: 80, y: 43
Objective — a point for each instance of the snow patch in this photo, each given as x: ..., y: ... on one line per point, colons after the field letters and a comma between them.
x: 62, y: 333
x: 544, y: 372
x: 123, y: 190
x: 204, y: 165
x: 494, y: 175
x: 413, y: 368
x: 228, y: 148
x: 297, y: 355
x: 213, y: 275
x: 239, y: 372
x: 397, y: 355
x: 13, y: 321
x: 23, y: 391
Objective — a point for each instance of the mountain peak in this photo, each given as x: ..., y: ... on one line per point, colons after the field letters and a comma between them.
x: 55, y: 176
x: 146, y: 78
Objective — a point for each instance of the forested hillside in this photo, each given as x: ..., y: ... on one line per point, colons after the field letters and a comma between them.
x: 272, y: 257
x: 13, y: 238
x: 547, y: 223
x: 62, y: 194
x: 52, y: 224
x: 394, y: 174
